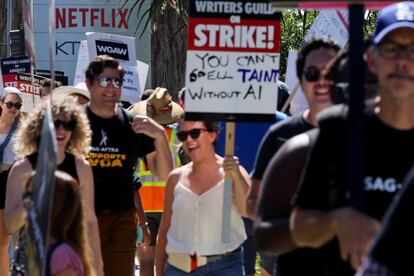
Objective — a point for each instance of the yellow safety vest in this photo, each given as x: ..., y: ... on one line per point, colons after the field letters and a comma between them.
x: 152, y: 191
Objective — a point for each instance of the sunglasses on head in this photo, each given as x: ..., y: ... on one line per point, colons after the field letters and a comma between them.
x: 10, y: 105
x: 104, y: 82
x: 194, y: 134
x: 69, y: 126
x: 312, y: 74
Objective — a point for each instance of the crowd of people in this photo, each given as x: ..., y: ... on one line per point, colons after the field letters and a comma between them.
x: 146, y: 182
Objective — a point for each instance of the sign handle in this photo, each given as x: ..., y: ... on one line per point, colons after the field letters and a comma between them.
x: 228, y: 183
x: 289, y: 99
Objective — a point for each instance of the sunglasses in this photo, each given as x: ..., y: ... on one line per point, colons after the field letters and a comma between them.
x: 312, y: 74
x: 69, y: 126
x: 105, y: 81
x: 10, y: 105
x: 391, y: 50
x: 194, y: 134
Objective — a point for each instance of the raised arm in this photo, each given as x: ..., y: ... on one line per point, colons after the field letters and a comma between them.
x: 88, y: 201
x: 160, y: 162
x: 15, y: 213
x: 160, y: 251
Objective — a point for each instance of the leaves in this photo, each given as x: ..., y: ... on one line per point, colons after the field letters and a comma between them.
x: 156, y: 10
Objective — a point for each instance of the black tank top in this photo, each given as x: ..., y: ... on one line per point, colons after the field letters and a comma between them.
x: 68, y: 165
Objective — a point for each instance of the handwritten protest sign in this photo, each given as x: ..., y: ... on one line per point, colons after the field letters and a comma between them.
x: 232, y: 61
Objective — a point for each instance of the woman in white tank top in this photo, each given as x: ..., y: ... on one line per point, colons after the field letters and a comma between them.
x: 189, y: 238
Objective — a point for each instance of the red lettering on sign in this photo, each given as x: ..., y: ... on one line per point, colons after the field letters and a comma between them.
x: 91, y: 17
x: 103, y: 23
x: 83, y: 11
x: 122, y: 20
x: 60, y: 18
x: 72, y: 17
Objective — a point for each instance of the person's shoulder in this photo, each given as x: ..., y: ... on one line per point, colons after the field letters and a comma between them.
x: 335, y: 116
x: 22, y: 165
x: 125, y: 113
x: 178, y: 171
x: 299, y: 141
x: 287, y: 124
x: 82, y: 165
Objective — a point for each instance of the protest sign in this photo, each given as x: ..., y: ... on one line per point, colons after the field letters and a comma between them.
x: 11, y: 66
x: 75, y: 18
x: 232, y: 61
x: 123, y: 49
x: 29, y: 85
x: 82, y: 63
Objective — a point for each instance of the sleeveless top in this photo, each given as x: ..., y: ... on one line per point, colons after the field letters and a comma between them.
x: 68, y: 165
x: 196, y: 221
x: 9, y: 155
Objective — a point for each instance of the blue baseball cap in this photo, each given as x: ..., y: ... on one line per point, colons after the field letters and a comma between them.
x: 395, y: 16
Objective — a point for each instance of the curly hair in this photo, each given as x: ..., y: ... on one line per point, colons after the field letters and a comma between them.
x: 28, y: 134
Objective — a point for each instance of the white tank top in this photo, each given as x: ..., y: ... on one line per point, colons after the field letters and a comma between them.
x: 9, y: 155
x: 196, y: 222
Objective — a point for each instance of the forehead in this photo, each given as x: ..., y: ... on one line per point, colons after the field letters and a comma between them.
x: 187, y: 125
x: 319, y: 57
x: 402, y: 35
x: 12, y: 97
x: 110, y: 72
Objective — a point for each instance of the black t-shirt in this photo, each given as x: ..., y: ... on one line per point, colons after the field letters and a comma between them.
x: 387, y: 155
x: 396, y: 236
x: 113, y: 156
x: 274, y: 138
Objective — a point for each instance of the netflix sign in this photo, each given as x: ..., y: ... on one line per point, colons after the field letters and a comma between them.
x: 76, y: 17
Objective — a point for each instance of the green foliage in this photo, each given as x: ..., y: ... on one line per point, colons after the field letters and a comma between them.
x: 156, y: 10
x: 370, y: 21
x: 295, y: 25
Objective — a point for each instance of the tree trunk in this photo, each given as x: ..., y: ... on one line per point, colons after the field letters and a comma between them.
x: 168, y: 52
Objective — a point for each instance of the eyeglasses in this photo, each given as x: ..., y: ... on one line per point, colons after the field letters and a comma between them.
x: 69, y: 126
x: 105, y: 81
x: 312, y: 74
x: 392, y: 50
x: 194, y: 133
x: 10, y: 105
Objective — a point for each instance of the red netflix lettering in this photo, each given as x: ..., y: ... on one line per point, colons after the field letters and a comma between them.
x: 103, y: 23
x: 72, y: 18
x: 60, y: 18
x: 83, y: 11
x: 91, y: 17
